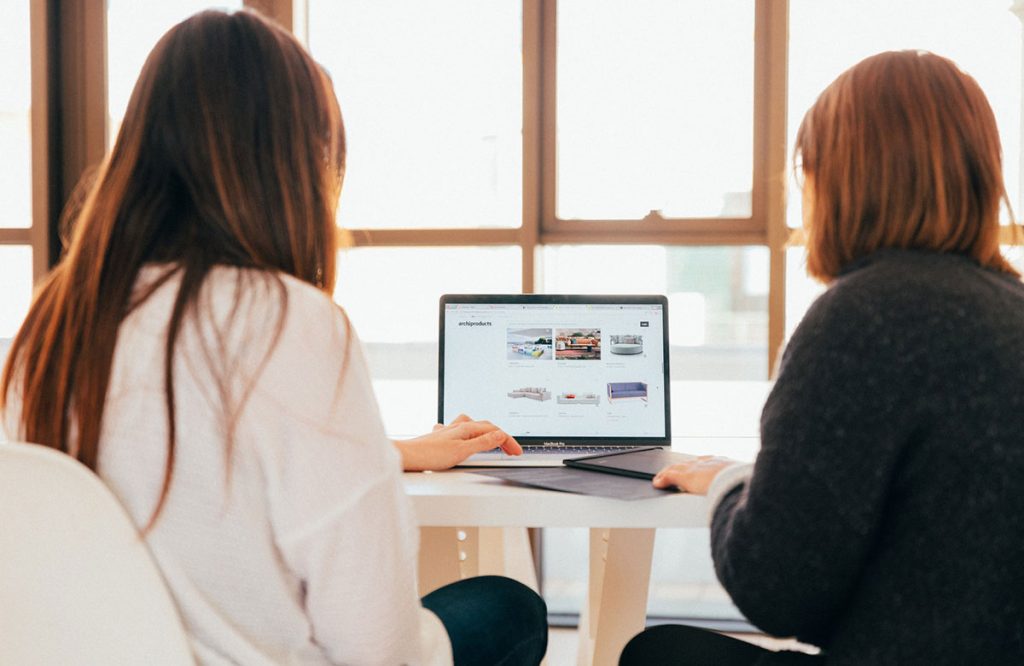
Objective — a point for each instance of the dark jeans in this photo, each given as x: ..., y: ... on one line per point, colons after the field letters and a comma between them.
x: 676, y: 644
x: 492, y: 620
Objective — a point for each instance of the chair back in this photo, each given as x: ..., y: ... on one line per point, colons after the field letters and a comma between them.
x: 77, y: 582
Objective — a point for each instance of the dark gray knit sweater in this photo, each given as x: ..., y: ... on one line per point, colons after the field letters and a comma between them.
x: 884, y: 520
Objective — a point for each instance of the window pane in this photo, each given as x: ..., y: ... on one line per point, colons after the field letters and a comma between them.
x: 801, y: 289
x: 655, y: 108
x: 1015, y: 255
x: 15, y: 123
x: 718, y: 299
x: 983, y: 37
x: 16, y: 277
x: 133, y: 29
x: 431, y: 94
x: 391, y: 296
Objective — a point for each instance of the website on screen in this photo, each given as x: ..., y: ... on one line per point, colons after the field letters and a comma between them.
x: 539, y: 370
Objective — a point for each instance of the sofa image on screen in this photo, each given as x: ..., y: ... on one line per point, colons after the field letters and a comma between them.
x: 620, y: 390
x: 531, y: 392
x: 578, y: 344
x: 579, y: 399
x: 535, y: 351
x: 626, y: 344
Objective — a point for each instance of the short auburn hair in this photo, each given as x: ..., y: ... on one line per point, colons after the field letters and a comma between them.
x: 901, y: 151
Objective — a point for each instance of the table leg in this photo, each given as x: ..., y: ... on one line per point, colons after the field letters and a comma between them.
x: 448, y: 554
x: 616, y: 605
x: 508, y: 551
x: 438, y: 558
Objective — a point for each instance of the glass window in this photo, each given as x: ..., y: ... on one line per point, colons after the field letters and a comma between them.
x: 16, y: 277
x: 718, y: 299
x: 655, y: 108
x: 983, y: 37
x: 15, y: 122
x: 801, y: 289
x: 133, y: 29
x: 1015, y: 255
x: 431, y: 94
x: 391, y: 296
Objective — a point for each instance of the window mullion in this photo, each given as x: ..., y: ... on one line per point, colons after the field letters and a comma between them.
x: 770, y: 99
x: 534, y: 15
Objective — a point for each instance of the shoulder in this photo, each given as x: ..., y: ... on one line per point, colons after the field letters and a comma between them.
x: 256, y: 327
x: 231, y: 286
x: 915, y: 279
x: 291, y: 345
x: 907, y: 288
x: 900, y: 307
x: 272, y: 305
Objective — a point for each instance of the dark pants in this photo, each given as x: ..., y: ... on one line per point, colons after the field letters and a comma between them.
x: 492, y: 620
x: 676, y: 644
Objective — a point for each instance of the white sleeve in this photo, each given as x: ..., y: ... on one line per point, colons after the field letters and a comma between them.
x: 339, y: 514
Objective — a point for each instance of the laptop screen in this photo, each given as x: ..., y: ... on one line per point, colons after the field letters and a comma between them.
x: 576, y: 369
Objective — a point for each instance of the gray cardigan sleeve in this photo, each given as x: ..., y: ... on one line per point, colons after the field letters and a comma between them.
x: 790, y: 543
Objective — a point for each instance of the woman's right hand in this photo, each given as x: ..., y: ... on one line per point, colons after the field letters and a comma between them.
x: 450, y: 444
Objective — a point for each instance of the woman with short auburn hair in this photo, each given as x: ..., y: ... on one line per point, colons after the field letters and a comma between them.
x: 187, y: 349
x: 901, y: 151
x: 883, y: 520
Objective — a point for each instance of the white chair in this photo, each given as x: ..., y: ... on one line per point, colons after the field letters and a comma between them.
x: 77, y: 582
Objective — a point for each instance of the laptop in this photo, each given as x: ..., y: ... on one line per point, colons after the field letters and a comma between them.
x: 567, y: 376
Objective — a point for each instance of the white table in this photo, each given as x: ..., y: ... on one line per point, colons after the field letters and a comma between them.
x: 473, y: 525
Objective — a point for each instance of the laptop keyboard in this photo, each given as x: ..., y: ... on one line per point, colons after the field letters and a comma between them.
x: 569, y: 450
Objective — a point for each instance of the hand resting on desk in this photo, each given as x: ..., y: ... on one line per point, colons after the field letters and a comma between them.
x: 448, y: 445
x: 694, y: 476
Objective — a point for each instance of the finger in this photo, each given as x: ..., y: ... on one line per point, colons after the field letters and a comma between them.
x: 511, y: 446
x: 485, y: 441
x: 461, y: 418
x: 471, y: 429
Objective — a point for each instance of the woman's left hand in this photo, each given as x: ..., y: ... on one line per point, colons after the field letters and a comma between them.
x: 448, y: 445
x: 693, y: 476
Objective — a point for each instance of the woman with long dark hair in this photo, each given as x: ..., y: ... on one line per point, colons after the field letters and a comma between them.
x: 884, y: 518
x: 187, y: 349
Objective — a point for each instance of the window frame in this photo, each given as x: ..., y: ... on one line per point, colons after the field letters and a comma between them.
x: 540, y: 226
x: 69, y: 134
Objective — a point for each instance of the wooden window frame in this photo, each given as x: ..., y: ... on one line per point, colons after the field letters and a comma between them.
x: 69, y: 135
x: 68, y: 116
x: 69, y: 127
x: 766, y: 226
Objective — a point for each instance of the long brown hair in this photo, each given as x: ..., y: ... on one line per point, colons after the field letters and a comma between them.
x: 901, y: 151
x: 231, y: 153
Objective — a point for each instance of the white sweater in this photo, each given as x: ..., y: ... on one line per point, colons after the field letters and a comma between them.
x: 304, y: 550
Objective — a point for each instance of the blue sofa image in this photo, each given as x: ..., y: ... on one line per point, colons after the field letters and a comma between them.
x: 618, y: 390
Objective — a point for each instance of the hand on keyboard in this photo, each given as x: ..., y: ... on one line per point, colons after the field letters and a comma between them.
x: 448, y: 445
